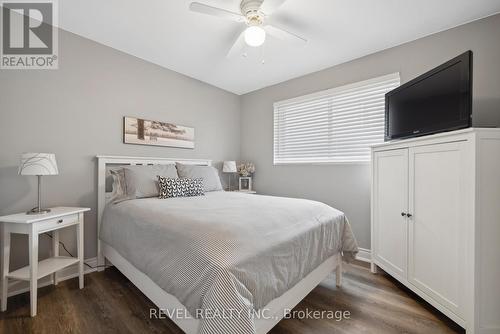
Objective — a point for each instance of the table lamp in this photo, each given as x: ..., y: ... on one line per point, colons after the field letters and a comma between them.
x: 229, y: 167
x: 38, y: 164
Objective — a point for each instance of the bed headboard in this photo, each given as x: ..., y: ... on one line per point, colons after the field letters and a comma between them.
x: 106, y: 161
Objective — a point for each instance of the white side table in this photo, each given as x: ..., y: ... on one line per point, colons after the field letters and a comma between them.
x: 33, y: 226
x: 245, y: 191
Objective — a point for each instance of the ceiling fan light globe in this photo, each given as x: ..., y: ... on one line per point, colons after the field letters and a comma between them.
x: 255, y: 36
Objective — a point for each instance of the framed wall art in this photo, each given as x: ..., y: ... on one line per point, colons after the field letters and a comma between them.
x: 146, y: 132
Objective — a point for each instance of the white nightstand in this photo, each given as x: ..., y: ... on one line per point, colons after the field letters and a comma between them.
x: 33, y: 226
x: 245, y: 191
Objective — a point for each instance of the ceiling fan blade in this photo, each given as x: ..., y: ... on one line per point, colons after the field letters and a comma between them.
x: 238, y: 46
x: 269, y: 6
x: 284, y: 34
x: 214, y: 11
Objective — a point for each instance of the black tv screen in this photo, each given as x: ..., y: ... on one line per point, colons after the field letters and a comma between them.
x: 439, y: 100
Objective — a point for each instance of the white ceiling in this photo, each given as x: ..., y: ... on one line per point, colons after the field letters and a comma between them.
x: 166, y: 33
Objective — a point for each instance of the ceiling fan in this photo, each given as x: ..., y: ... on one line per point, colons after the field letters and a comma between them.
x: 255, y: 14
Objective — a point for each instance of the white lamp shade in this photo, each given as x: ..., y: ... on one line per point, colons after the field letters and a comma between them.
x: 229, y: 167
x: 38, y: 164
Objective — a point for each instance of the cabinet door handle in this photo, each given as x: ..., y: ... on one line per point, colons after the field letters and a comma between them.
x: 409, y: 215
x: 403, y: 214
x: 59, y: 221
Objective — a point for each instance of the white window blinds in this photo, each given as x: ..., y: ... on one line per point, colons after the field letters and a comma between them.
x: 336, y: 125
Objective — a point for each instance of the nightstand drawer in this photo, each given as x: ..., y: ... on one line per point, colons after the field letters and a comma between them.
x: 55, y: 223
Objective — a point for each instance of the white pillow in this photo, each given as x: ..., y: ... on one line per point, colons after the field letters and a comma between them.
x: 210, y: 175
x: 142, y: 181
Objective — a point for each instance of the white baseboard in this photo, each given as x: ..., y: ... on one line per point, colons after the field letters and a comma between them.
x: 364, y: 255
x: 16, y: 287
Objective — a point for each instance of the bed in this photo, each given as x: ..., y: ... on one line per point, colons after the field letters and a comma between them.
x: 223, y: 262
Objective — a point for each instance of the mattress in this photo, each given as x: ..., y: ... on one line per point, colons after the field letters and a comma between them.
x: 226, y: 255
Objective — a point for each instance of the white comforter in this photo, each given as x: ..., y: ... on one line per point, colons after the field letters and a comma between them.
x: 226, y: 251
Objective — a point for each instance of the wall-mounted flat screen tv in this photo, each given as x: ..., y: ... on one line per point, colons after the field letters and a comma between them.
x: 439, y: 100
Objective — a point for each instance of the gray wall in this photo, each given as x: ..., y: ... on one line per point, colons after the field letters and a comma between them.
x: 347, y: 187
x: 76, y: 112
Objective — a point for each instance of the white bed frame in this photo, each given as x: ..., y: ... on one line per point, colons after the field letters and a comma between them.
x: 165, y: 301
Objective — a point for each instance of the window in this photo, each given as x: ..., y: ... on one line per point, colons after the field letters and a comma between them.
x: 333, y: 126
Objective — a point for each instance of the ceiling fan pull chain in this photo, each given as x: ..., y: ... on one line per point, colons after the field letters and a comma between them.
x: 262, y: 54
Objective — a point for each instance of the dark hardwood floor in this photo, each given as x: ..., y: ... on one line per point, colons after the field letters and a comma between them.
x: 109, y: 303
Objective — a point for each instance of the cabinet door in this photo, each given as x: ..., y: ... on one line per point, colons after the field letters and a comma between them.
x: 436, y: 238
x: 389, y: 201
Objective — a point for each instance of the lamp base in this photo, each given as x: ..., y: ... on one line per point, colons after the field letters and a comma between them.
x: 37, y: 211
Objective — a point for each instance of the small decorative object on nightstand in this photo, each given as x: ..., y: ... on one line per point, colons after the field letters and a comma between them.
x: 38, y: 164
x: 33, y: 226
x: 245, y: 183
x: 229, y: 167
x: 246, y: 170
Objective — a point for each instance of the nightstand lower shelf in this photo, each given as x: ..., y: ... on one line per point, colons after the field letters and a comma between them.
x: 45, y: 267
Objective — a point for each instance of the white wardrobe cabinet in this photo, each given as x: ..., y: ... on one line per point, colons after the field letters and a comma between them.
x: 436, y: 221
x: 390, y: 205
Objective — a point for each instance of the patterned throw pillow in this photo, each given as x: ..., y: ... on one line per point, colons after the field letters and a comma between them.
x: 184, y: 187
x: 195, y: 187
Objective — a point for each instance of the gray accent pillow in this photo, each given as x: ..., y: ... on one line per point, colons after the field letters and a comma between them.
x: 110, y: 178
x: 118, y: 193
x: 210, y: 175
x: 142, y: 181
